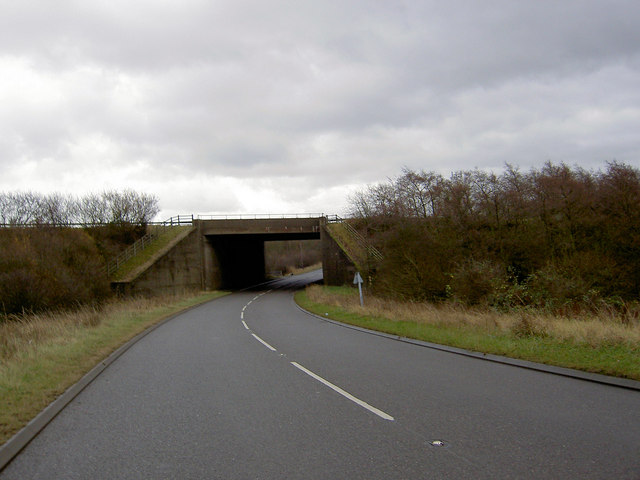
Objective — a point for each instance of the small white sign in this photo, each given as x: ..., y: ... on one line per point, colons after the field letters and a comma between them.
x: 357, y: 279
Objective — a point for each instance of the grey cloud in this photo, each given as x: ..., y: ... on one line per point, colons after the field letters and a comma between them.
x: 328, y: 93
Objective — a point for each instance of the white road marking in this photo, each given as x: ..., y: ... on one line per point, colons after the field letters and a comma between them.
x: 327, y: 383
x: 263, y: 342
x: 242, y: 317
x: 356, y: 400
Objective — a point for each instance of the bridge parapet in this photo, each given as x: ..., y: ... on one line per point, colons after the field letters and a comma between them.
x: 261, y: 226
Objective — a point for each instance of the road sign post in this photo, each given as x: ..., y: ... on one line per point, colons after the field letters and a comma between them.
x: 357, y: 279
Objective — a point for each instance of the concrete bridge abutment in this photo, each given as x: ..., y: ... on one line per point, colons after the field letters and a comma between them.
x: 229, y: 255
x: 233, y: 250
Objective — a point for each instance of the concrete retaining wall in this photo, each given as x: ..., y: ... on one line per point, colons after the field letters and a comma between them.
x: 176, y: 271
x: 337, y: 269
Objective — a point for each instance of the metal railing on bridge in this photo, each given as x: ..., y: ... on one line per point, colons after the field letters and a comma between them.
x: 143, y: 242
x: 261, y: 216
x: 175, y: 221
x: 362, y: 242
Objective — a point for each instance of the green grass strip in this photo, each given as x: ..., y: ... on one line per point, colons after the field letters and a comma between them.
x: 615, y: 360
x: 37, y: 376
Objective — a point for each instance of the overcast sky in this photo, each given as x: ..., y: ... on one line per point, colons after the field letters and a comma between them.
x: 231, y: 106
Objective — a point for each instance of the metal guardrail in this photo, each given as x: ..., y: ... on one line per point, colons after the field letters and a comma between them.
x: 370, y: 249
x: 362, y: 242
x: 52, y: 225
x: 131, y: 251
x: 175, y: 221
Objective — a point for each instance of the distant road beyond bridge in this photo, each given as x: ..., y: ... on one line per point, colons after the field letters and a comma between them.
x: 233, y: 250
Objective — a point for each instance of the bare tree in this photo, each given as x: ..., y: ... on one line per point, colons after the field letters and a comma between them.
x: 421, y: 192
x: 128, y: 207
x: 131, y: 207
x: 56, y: 209
x: 20, y: 207
x: 93, y: 209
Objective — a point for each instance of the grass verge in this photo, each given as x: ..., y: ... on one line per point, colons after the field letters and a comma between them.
x: 43, y: 355
x: 598, y: 345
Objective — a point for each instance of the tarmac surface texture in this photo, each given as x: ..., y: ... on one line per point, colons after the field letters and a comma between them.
x: 250, y: 387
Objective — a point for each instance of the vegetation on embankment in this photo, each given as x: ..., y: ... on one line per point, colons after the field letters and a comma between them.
x: 594, y: 343
x: 49, y: 268
x: 42, y: 355
x: 559, y: 238
x: 53, y: 247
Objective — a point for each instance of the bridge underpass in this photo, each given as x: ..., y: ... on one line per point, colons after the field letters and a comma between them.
x: 230, y: 254
x: 234, y: 250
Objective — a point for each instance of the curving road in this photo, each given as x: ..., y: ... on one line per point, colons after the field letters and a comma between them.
x: 250, y: 387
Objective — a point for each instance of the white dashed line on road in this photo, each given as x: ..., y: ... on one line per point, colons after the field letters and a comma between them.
x: 327, y: 383
x: 263, y: 342
x: 345, y: 394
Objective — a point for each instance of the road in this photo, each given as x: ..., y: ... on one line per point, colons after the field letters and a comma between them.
x: 250, y: 387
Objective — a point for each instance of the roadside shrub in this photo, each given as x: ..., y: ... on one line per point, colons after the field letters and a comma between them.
x: 557, y: 237
x: 556, y: 287
x: 416, y: 263
x: 474, y: 282
x: 51, y: 268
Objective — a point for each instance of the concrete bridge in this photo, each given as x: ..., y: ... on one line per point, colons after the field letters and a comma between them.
x: 229, y: 254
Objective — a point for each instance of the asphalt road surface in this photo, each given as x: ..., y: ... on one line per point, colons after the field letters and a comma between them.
x: 250, y: 387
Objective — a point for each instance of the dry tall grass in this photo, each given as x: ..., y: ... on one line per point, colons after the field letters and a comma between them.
x: 42, y: 355
x: 596, y: 330
x: 24, y: 334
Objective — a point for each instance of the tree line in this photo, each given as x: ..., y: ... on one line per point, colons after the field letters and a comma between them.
x: 555, y: 237
x: 46, y: 265
x: 109, y: 207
